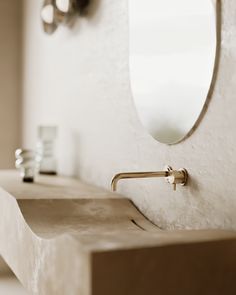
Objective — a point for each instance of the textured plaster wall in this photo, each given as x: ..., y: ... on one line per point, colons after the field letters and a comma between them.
x: 79, y: 80
x: 10, y: 56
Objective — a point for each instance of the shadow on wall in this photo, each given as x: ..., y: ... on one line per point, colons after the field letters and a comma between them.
x: 4, y: 269
x: 92, y: 8
x: 10, y: 55
x: 90, y: 12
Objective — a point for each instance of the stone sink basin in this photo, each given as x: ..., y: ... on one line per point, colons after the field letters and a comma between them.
x: 64, y: 237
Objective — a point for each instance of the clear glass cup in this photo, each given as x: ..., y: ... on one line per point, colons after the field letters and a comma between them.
x: 46, y: 149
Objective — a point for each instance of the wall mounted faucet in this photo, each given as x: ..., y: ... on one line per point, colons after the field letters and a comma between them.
x: 173, y: 177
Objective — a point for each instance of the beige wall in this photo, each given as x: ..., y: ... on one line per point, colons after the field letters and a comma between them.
x: 10, y: 59
x: 79, y: 80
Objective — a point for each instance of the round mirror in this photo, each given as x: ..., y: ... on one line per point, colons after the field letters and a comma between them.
x: 172, y: 58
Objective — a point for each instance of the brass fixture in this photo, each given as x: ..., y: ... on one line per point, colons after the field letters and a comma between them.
x: 56, y: 12
x: 173, y: 177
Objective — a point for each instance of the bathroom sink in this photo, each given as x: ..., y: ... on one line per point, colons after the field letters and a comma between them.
x: 62, y: 236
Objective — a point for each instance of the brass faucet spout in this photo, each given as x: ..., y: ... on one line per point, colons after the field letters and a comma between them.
x: 129, y: 175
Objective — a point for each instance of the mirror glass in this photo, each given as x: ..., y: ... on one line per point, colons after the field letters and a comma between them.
x: 172, y: 54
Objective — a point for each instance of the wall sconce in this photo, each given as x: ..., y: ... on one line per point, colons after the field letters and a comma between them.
x: 56, y: 12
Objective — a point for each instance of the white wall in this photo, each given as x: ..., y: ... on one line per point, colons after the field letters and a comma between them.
x: 79, y: 80
x: 10, y: 80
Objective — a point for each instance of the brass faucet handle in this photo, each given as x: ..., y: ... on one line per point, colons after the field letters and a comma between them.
x: 176, y: 176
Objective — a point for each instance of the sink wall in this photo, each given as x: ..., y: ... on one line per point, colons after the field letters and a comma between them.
x: 79, y: 79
